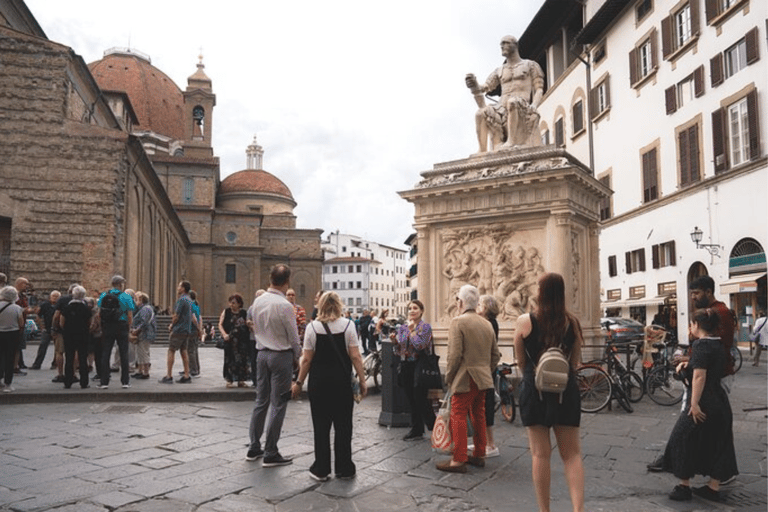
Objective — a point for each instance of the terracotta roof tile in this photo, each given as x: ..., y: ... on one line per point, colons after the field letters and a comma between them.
x: 254, y: 181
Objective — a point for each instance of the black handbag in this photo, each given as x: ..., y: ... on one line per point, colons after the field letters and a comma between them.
x: 427, y: 372
x: 220, y: 343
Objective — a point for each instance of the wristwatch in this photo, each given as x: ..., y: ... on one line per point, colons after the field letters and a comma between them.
x: 300, y: 383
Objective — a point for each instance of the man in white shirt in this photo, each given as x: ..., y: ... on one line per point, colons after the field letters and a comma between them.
x: 279, y: 348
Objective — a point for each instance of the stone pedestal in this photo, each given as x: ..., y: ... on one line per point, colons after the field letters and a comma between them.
x: 498, y: 221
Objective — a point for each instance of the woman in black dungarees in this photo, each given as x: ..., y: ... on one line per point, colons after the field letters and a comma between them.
x: 331, y: 349
x: 550, y: 326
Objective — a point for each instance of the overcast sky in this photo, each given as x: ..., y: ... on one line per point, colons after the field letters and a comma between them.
x: 350, y: 99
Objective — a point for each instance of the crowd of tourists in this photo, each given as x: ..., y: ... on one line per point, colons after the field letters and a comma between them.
x: 272, y: 344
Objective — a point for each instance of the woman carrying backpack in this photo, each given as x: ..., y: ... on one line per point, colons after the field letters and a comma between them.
x: 551, y: 325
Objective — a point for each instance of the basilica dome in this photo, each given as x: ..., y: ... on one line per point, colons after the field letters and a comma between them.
x: 155, y: 98
x: 255, y: 190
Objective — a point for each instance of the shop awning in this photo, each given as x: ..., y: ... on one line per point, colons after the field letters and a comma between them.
x: 741, y: 284
x: 645, y: 301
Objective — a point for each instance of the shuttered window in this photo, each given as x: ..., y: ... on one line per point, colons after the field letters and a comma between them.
x: 578, y: 117
x: 559, y: 132
x: 600, y: 98
x: 605, y: 203
x: 650, y: 176
x: 612, y: 270
x: 642, y: 59
x: 743, y: 53
x: 688, y: 151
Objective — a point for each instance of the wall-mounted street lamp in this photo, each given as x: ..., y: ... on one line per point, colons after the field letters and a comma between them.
x: 697, y: 235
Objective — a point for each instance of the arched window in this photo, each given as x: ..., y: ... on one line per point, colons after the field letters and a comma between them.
x: 747, y: 256
x: 189, y: 190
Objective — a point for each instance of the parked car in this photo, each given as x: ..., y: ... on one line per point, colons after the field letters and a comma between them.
x: 622, y: 329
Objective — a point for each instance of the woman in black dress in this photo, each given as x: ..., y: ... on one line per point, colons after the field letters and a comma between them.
x: 551, y: 326
x: 701, y: 442
x: 234, y: 329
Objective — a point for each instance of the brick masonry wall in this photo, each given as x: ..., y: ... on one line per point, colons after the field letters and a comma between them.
x: 61, y: 178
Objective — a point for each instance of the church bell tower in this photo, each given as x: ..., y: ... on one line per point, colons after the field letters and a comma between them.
x: 199, y: 101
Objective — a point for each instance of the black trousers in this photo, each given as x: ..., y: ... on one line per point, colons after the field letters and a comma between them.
x: 114, y: 333
x: 74, y: 343
x: 9, y: 342
x: 421, y: 410
x: 332, y: 407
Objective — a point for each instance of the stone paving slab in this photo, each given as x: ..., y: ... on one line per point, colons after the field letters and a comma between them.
x: 143, y: 454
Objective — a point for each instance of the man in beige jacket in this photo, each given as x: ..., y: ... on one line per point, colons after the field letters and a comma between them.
x: 472, y: 355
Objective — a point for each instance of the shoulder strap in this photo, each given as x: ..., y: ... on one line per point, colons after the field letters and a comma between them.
x: 335, y: 348
x: 4, y: 307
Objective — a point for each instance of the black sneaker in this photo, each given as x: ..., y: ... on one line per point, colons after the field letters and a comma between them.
x: 184, y: 380
x: 166, y: 380
x: 657, y: 466
x: 680, y: 493
x: 728, y: 480
x: 254, y: 454
x: 707, y: 493
x: 412, y: 436
x: 34, y: 367
x: 58, y: 378
x: 276, y: 460
x: 136, y: 376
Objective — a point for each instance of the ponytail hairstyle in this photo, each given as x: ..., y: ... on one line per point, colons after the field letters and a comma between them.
x: 551, y: 314
x: 707, y: 319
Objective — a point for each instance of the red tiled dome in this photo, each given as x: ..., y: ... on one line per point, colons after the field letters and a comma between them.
x: 155, y: 98
x: 250, y: 180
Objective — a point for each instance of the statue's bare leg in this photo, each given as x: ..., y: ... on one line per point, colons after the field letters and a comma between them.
x: 482, y: 131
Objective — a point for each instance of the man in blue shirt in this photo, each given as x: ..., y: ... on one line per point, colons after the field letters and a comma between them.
x: 115, y: 330
x: 182, y: 331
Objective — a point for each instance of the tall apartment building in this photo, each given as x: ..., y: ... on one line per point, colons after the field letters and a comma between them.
x: 365, y: 274
x: 666, y: 101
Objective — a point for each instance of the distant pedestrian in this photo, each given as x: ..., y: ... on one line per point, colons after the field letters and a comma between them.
x: 488, y: 308
x: 144, y: 328
x: 234, y: 329
x: 759, y: 337
x: 11, y: 324
x: 181, y: 331
x: 194, y: 341
x: 301, y: 314
x: 551, y: 325
x: 331, y: 350
x: 76, y: 322
x: 116, y: 314
x: 364, y: 323
x: 702, y: 290
x: 277, y: 341
x: 45, y: 312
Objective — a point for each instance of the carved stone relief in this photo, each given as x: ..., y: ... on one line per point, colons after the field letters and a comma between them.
x: 493, y: 260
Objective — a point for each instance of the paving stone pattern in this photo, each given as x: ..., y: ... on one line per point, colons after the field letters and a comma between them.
x: 158, y: 456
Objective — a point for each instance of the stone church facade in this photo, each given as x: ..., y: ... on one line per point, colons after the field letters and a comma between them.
x: 109, y: 168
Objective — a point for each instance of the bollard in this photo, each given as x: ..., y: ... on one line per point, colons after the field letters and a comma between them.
x: 395, y: 411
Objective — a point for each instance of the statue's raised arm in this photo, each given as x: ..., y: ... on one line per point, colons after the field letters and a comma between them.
x: 514, y: 120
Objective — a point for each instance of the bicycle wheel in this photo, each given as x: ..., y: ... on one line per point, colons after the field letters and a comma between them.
x: 595, y: 388
x: 737, y: 358
x: 621, y: 397
x: 662, y: 388
x: 633, y: 386
x: 372, y: 366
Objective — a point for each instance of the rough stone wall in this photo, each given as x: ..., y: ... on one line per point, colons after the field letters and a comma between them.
x: 60, y: 178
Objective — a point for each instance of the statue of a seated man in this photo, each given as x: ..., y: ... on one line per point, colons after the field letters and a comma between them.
x: 513, y: 121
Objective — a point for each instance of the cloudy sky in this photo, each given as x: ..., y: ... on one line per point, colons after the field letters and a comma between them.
x: 351, y: 99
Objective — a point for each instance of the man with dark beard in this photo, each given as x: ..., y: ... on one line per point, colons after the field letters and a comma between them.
x: 703, y: 297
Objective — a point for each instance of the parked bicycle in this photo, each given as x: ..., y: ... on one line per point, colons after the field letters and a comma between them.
x: 630, y: 382
x: 659, y: 366
x: 505, y: 386
x: 372, y: 366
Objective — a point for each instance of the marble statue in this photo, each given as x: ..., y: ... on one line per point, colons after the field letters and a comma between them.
x: 514, y: 120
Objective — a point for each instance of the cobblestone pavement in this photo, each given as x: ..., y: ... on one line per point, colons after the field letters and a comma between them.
x: 144, y: 450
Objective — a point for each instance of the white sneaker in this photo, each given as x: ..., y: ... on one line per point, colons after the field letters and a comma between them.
x: 126, y: 386
x: 491, y: 452
x: 8, y: 389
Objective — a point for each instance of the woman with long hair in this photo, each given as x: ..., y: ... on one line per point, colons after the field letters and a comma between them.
x: 551, y: 325
x: 701, y: 442
x: 234, y: 329
x: 488, y: 308
x: 331, y: 350
x: 412, y: 341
